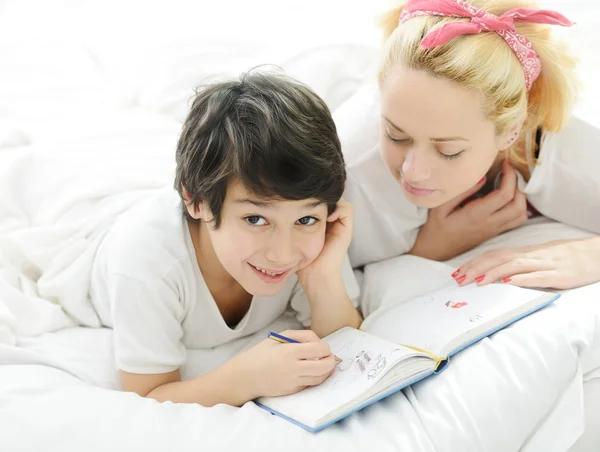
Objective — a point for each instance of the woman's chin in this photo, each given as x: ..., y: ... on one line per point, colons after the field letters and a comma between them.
x: 430, y: 201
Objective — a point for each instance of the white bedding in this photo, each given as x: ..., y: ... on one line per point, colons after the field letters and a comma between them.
x: 528, y: 379
x: 522, y: 389
x: 98, y: 133
x: 531, y: 387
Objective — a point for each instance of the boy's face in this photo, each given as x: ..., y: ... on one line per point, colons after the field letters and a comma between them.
x: 262, y: 242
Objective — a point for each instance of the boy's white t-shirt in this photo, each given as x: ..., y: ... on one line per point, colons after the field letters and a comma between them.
x: 147, y: 286
x: 564, y: 186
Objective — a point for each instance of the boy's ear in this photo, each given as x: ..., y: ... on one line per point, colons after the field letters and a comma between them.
x: 196, y: 212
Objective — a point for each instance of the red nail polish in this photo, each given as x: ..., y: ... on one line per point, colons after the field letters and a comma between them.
x: 479, y: 278
x: 461, y: 279
x: 506, y: 280
x: 455, y: 274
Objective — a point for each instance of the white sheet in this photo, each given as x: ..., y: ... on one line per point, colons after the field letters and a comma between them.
x: 523, y: 378
x: 527, y: 379
x: 590, y: 440
x: 495, y: 396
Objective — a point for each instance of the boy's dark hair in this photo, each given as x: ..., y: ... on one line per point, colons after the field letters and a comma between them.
x: 270, y: 132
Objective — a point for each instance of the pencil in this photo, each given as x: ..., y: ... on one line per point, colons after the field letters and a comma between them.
x: 281, y: 338
x: 287, y: 340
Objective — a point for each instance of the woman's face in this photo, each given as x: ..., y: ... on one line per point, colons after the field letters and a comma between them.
x: 435, y: 139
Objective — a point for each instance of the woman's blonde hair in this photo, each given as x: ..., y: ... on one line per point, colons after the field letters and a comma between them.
x: 486, y: 64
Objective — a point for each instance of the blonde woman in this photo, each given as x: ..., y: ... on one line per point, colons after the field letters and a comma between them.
x: 476, y: 132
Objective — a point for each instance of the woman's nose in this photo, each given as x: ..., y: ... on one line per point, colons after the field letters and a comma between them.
x: 416, y: 166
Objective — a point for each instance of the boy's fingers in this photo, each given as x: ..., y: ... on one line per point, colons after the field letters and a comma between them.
x: 312, y: 350
x: 318, y: 367
x: 343, y: 210
x: 343, y: 204
x: 302, y: 335
x: 333, y: 217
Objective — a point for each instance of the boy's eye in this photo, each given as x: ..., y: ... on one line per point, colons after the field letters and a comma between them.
x: 307, y: 221
x: 255, y: 220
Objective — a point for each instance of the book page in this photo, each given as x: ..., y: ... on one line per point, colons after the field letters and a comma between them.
x: 432, y: 321
x: 366, y: 359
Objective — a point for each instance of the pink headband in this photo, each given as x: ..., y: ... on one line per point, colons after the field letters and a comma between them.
x: 481, y: 20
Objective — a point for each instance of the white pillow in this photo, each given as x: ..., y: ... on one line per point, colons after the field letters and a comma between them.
x: 156, y: 53
x: 357, y: 121
x: 333, y: 71
x: 13, y: 136
x: 45, y: 84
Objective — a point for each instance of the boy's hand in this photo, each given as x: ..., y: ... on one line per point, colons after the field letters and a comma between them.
x: 328, y: 265
x: 451, y: 230
x: 323, y: 280
x: 274, y: 369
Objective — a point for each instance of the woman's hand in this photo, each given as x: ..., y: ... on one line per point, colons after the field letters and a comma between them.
x: 562, y: 264
x: 452, y: 229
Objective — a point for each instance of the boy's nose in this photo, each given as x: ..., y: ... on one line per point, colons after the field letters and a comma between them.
x: 280, y: 250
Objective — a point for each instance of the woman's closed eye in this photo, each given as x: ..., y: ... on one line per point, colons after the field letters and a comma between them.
x: 307, y: 221
x: 450, y: 156
x: 407, y: 140
x: 398, y: 140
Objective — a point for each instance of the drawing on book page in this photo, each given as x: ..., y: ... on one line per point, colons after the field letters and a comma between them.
x: 429, y: 299
x: 359, y: 363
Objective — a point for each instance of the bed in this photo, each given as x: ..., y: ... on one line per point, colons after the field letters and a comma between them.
x: 92, y: 103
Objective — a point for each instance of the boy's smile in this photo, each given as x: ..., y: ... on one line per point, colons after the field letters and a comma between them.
x: 260, y: 242
x: 270, y: 276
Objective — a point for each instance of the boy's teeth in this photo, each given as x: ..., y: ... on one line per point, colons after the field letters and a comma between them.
x: 268, y: 272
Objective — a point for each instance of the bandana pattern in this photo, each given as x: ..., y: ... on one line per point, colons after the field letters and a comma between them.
x: 481, y: 21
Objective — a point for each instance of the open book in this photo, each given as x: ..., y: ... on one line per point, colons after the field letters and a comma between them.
x: 402, y: 344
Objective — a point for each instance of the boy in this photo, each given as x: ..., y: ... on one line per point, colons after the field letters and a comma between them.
x: 256, y: 223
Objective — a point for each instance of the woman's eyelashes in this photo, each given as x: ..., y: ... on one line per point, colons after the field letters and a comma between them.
x: 257, y: 220
x: 451, y: 156
x: 398, y: 140
x: 404, y: 141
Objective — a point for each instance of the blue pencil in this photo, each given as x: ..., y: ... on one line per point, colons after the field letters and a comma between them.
x: 280, y: 338
x: 287, y: 340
